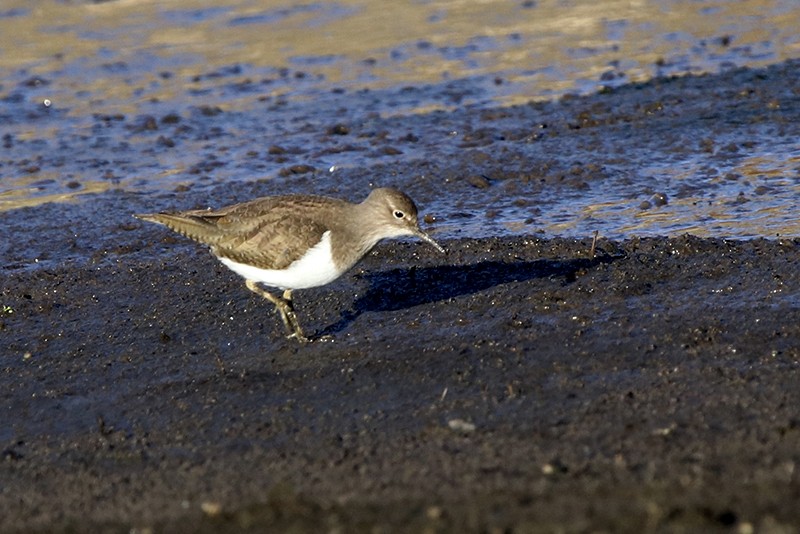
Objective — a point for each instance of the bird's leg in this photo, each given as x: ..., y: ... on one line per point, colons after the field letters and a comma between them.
x: 283, y: 306
x: 292, y: 317
x: 280, y: 305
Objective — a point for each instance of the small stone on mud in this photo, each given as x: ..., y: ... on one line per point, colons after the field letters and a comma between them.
x: 165, y: 141
x: 762, y: 190
x: 211, y: 509
x: 478, y: 181
x: 459, y: 425
x: 296, y: 169
x: 659, y: 199
x: 171, y: 118
x: 707, y: 145
x: 338, y: 129
x: 149, y: 123
x: 210, y: 111
x: 116, y: 117
x: 35, y: 81
x: 434, y: 512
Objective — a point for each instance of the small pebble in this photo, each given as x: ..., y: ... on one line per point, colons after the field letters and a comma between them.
x: 659, y: 199
x: 460, y: 425
x: 211, y: 509
x: 434, y: 512
x: 338, y: 129
x: 296, y: 169
x: 478, y: 181
x: 391, y: 151
x: 165, y: 141
x: 171, y: 118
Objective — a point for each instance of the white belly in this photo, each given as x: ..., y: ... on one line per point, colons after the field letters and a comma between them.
x: 314, y: 269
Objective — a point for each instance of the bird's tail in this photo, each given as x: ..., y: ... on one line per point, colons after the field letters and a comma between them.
x: 193, y: 226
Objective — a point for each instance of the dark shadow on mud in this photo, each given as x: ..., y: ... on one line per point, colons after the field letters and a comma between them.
x: 398, y: 289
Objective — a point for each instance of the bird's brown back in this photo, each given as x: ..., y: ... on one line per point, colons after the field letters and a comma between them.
x: 269, y: 232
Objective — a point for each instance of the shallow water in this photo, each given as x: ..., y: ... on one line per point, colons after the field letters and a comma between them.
x: 81, y: 80
x: 749, y: 198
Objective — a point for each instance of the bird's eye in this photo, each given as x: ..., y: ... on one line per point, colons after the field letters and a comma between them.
x: 399, y: 214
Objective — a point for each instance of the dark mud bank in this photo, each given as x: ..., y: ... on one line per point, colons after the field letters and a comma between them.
x: 515, y: 385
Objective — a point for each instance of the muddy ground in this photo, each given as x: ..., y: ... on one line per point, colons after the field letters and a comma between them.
x: 516, y: 384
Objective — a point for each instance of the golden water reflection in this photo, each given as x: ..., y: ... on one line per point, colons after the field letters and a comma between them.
x: 544, y: 50
x: 121, y: 56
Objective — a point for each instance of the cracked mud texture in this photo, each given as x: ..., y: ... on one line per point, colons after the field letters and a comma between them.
x: 515, y: 384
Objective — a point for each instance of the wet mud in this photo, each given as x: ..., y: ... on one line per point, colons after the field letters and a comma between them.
x: 518, y: 383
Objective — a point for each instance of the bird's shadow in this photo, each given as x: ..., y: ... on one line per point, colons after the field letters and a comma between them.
x: 401, y: 288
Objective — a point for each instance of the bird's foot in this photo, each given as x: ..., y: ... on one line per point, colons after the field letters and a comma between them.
x: 291, y: 322
x: 299, y: 337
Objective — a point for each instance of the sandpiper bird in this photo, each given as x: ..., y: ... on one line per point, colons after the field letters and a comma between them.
x: 296, y: 241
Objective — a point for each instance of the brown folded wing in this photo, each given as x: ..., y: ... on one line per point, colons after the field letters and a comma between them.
x: 269, y: 233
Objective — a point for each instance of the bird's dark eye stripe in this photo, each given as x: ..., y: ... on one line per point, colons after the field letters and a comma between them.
x: 399, y: 214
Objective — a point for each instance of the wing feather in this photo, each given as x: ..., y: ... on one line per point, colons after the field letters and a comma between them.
x: 269, y: 232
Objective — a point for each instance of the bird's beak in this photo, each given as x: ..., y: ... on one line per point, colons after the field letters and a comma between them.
x: 425, y: 237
